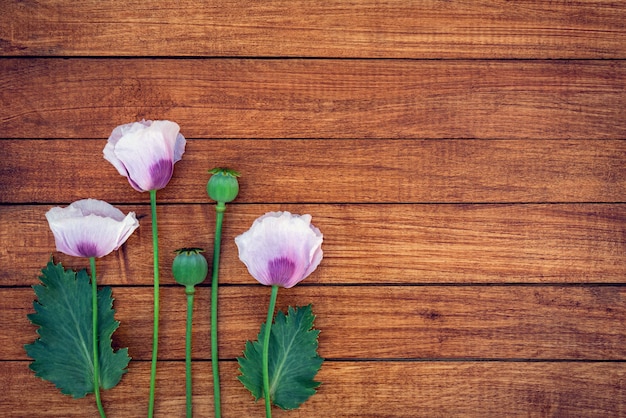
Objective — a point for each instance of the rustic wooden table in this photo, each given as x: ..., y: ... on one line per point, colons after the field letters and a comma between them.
x: 466, y: 162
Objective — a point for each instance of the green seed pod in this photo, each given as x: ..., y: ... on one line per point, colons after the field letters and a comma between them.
x: 190, y: 267
x: 223, y: 185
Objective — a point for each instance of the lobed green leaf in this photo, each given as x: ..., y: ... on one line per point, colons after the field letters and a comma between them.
x: 62, y: 354
x: 293, y: 359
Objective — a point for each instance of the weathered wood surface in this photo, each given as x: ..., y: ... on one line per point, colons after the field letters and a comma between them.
x: 269, y: 98
x: 466, y: 162
x: 364, y: 244
x: 314, y: 28
x: 335, y: 171
x: 429, y: 322
x: 354, y: 389
x: 466, y: 389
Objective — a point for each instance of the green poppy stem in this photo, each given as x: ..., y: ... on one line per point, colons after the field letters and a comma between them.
x: 189, y: 290
x: 220, y: 208
x: 94, y: 328
x: 155, y: 333
x: 266, y: 354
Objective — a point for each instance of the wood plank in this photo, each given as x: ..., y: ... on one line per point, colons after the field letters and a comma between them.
x: 234, y: 98
x: 465, y: 161
x: 372, y: 244
x: 335, y: 171
x: 382, y: 322
x: 333, y: 28
x: 351, y: 389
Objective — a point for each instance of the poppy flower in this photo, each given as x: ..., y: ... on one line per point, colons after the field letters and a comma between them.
x: 281, y: 249
x: 90, y: 228
x: 145, y: 152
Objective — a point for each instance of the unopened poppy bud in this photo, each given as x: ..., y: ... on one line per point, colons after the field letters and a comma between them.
x: 190, y: 267
x: 223, y: 185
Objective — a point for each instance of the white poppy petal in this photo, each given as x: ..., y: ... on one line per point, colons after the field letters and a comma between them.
x: 179, y: 147
x: 84, y: 228
x: 127, y: 227
x: 98, y: 207
x: 109, y: 155
x: 147, y: 159
x: 145, y: 152
x: 280, y: 248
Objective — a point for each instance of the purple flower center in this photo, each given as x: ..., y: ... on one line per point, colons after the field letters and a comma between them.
x: 161, y: 173
x: 281, y: 269
x: 87, y: 249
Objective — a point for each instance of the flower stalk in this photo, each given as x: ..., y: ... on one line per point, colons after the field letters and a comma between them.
x: 145, y: 153
x: 189, y: 269
x: 222, y: 187
x: 266, y: 348
x: 155, y: 333
x: 219, y: 218
x: 189, y: 291
x: 94, y: 324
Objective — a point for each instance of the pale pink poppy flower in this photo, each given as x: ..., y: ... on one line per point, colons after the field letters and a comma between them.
x: 145, y: 152
x: 280, y: 248
x: 90, y: 228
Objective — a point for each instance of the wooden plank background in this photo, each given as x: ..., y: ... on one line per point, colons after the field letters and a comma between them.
x: 466, y: 162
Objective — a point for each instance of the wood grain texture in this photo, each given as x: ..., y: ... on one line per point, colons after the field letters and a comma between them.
x: 363, y: 389
x: 235, y: 98
x: 336, y: 171
x: 385, y: 322
x: 466, y: 162
x: 334, y: 28
x: 364, y: 244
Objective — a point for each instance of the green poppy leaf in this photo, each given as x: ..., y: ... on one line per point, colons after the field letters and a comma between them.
x: 293, y: 359
x: 62, y: 353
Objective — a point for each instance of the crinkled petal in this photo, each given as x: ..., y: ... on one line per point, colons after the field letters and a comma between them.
x: 109, y: 155
x: 145, y: 152
x: 179, y: 147
x: 148, y: 157
x: 98, y: 207
x: 58, y: 213
x: 277, y: 240
x: 116, y: 135
x: 316, y: 254
x: 127, y: 128
x: 89, y: 235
